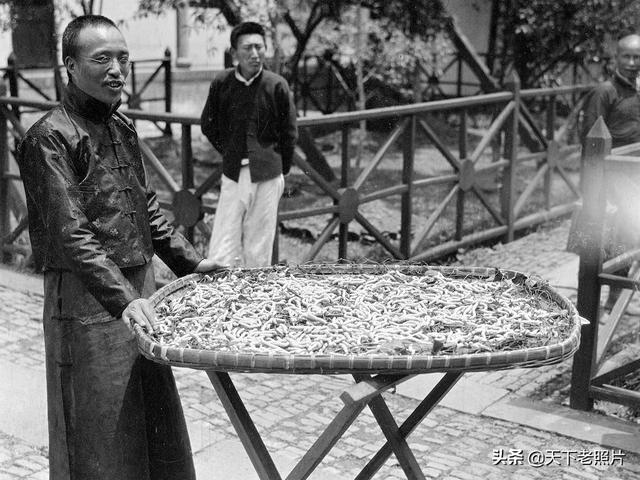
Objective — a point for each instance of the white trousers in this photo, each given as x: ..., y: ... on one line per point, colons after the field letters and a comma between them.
x: 245, y: 222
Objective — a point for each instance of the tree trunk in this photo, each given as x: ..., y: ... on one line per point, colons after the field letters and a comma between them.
x: 275, y: 41
x: 229, y: 11
x: 302, y: 38
x: 416, y: 84
x: 361, y: 101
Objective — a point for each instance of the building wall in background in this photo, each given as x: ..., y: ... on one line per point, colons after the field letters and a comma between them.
x: 149, y: 37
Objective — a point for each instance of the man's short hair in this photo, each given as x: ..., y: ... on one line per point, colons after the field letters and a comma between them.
x: 246, y: 28
x: 626, y: 33
x: 70, y: 45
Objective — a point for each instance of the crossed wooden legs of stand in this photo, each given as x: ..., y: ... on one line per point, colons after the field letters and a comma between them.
x: 366, y: 392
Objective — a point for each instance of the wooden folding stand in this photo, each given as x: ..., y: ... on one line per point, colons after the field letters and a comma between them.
x: 367, y: 391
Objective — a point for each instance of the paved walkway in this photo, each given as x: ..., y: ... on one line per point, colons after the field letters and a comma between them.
x: 492, y: 425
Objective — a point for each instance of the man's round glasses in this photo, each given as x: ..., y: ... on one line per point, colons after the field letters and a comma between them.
x: 106, y: 61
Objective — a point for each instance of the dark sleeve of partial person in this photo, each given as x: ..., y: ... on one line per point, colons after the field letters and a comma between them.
x: 597, y: 104
x: 210, y: 118
x: 174, y: 250
x: 288, y: 126
x: 51, y: 183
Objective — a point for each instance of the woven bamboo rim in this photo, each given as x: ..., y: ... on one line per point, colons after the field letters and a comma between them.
x: 372, y: 363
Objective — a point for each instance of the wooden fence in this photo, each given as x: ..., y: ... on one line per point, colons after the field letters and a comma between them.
x: 593, y: 378
x: 346, y: 198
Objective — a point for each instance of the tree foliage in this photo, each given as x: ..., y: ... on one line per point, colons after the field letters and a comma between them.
x: 400, y: 34
x: 539, y: 35
x: 534, y: 37
x: 392, y: 53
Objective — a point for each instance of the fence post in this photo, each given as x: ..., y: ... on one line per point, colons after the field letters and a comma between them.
x: 4, y: 181
x: 343, y: 229
x: 329, y: 88
x: 168, y: 93
x: 462, y: 149
x: 134, y: 101
x: 597, y: 147
x: 12, y: 74
x: 408, y: 151
x: 511, y: 154
x: 187, y: 167
x: 552, y: 149
x: 275, y: 248
x: 459, y: 78
x: 304, y: 87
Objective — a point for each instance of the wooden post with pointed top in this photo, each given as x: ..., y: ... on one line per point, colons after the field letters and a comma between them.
x: 168, y: 92
x: 597, y: 147
x: 12, y: 74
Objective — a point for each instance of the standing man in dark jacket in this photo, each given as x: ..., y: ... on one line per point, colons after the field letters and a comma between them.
x: 250, y: 118
x: 617, y: 101
x: 95, y: 225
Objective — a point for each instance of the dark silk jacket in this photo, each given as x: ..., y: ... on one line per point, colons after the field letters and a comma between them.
x: 618, y: 102
x: 91, y: 210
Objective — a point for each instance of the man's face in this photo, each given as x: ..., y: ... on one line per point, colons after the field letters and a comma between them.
x: 102, y: 63
x: 250, y: 54
x: 628, y: 58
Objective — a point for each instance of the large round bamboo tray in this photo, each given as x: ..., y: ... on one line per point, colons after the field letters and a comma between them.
x: 374, y: 363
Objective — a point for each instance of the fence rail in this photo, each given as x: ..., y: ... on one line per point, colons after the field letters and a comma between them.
x: 348, y: 200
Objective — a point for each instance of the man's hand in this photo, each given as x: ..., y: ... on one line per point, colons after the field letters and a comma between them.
x: 141, y: 312
x: 207, y: 265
